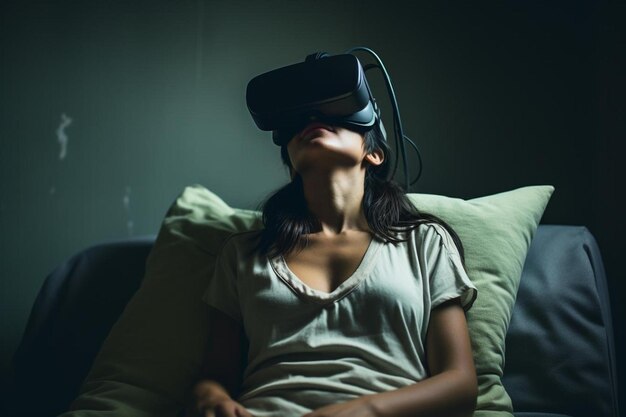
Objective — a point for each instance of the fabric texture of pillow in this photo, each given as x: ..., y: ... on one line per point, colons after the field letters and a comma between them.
x: 154, y: 352
x: 155, y: 349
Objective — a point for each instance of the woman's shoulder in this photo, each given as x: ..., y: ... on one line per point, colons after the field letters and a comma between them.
x: 426, y: 229
x: 425, y: 234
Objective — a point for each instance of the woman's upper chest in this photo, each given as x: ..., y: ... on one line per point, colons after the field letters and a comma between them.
x: 326, y: 263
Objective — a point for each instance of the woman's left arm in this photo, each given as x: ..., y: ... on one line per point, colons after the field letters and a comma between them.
x: 450, y: 391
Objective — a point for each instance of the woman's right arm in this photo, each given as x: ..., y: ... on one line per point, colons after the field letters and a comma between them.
x: 222, y: 371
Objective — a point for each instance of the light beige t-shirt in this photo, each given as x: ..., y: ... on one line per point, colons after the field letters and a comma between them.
x: 309, y: 348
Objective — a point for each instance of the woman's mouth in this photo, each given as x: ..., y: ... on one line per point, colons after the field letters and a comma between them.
x: 315, y: 126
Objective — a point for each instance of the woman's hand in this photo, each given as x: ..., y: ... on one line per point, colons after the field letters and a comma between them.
x: 224, y: 408
x: 212, y: 400
x: 361, y: 407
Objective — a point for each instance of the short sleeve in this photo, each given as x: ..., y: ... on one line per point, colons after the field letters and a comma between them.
x: 447, y: 276
x: 222, y: 292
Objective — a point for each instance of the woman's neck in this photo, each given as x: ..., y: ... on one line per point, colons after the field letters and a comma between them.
x: 336, y: 202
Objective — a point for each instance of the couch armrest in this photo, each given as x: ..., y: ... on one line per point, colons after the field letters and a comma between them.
x: 560, y: 354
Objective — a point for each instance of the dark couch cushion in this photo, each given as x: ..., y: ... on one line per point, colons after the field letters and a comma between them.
x: 559, y: 347
x: 72, y: 315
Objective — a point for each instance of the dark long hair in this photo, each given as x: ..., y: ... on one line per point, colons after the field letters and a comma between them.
x: 288, y: 221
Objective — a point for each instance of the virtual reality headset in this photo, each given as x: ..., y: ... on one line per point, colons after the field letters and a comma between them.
x: 329, y: 89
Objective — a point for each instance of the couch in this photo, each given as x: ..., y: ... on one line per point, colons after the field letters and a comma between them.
x: 560, y: 356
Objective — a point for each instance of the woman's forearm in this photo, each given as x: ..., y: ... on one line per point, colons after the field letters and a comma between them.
x: 449, y: 394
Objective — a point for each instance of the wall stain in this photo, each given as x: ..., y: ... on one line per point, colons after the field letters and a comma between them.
x: 62, y: 136
x: 130, y: 225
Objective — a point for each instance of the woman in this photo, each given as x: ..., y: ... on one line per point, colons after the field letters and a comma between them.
x: 349, y: 302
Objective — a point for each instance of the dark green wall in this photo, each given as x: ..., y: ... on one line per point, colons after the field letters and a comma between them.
x: 496, y: 96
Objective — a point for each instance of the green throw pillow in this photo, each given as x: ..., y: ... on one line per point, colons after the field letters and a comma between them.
x: 155, y: 349
x: 154, y: 352
x: 496, y: 232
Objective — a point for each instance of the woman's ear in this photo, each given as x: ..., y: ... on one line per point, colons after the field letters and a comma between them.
x: 376, y: 157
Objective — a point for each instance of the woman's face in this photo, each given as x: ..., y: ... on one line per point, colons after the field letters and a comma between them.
x: 326, y: 148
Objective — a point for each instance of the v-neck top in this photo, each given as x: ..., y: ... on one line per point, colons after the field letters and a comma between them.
x: 300, y: 288
x: 309, y: 348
